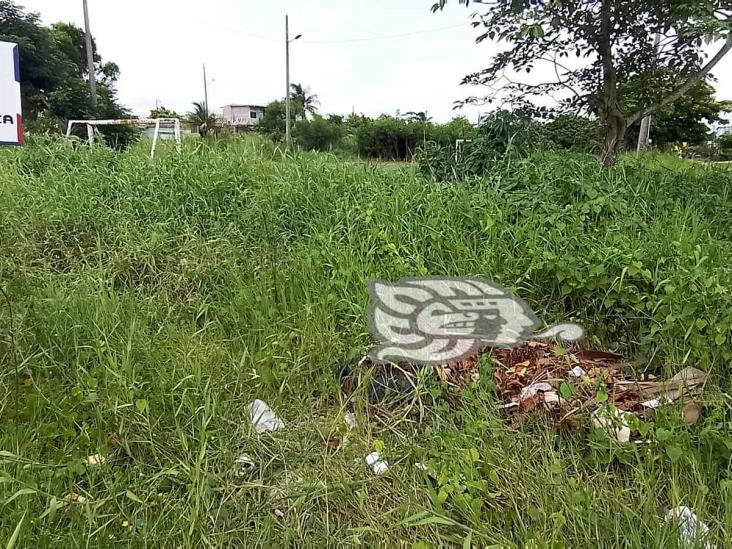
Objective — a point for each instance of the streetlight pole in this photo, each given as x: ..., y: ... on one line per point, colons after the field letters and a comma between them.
x: 90, y: 57
x: 205, y: 90
x: 288, y: 128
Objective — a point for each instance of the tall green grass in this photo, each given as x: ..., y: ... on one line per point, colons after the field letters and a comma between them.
x: 154, y: 299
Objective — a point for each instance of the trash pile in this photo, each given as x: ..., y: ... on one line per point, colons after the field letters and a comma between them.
x: 533, y: 377
x: 538, y: 375
x: 460, y: 374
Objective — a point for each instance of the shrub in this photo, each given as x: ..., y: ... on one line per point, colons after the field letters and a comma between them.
x: 318, y: 134
x: 46, y: 123
x: 436, y: 162
x: 572, y: 132
x: 512, y: 132
x: 502, y: 134
x: 725, y: 142
x: 390, y: 138
x: 272, y: 123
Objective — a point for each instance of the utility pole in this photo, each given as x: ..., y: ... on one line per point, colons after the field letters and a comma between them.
x: 205, y: 90
x: 288, y: 128
x: 90, y: 57
x: 644, y: 136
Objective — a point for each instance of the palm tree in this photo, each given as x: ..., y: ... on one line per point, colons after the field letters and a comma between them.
x: 304, y: 101
x: 201, y: 119
x: 420, y: 116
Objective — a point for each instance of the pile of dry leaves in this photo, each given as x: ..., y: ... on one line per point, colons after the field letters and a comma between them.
x: 537, y: 375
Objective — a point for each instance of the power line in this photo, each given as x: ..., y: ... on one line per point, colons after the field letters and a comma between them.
x: 335, y: 41
x: 238, y: 31
x: 384, y: 37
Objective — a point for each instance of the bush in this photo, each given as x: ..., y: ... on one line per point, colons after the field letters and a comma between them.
x: 457, y: 128
x: 46, y: 123
x: 718, y: 150
x: 437, y: 162
x: 272, y: 123
x: 391, y: 138
x: 319, y: 134
x: 501, y: 134
x: 512, y: 132
x: 725, y: 142
x: 474, y: 158
x: 572, y: 132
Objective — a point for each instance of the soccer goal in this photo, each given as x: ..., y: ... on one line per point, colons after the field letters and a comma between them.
x: 460, y: 147
x: 156, y: 123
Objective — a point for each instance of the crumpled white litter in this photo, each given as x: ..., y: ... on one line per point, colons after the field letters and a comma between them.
x: 350, y: 419
x: 533, y: 389
x: 614, y: 422
x: 577, y: 371
x: 263, y: 418
x: 692, y: 531
x: 378, y: 465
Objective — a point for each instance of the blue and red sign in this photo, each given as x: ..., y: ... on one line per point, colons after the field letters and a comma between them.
x: 11, y: 116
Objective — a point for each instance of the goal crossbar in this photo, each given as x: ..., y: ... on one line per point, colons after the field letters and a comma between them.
x: 156, y: 122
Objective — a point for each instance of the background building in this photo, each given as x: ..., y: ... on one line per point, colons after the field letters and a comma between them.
x: 241, y: 118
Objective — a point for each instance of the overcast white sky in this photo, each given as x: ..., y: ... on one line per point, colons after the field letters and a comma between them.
x: 160, y: 46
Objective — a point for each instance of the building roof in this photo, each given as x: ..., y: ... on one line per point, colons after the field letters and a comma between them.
x: 245, y: 105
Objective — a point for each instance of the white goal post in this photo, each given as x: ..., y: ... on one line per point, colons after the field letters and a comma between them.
x: 460, y: 147
x: 155, y: 122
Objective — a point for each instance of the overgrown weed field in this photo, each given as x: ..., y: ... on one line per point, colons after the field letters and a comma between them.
x: 153, y: 300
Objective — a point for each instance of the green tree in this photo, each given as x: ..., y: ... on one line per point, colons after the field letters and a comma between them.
x: 303, y: 102
x: 200, y: 119
x: 320, y: 133
x: 272, y: 122
x: 417, y: 116
x: 39, y: 63
x: 595, y: 46
x: 572, y: 132
x: 162, y: 112
x: 685, y: 119
x: 725, y: 142
x: 53, y: 69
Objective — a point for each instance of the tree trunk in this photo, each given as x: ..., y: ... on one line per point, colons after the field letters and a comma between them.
x: 615, y: 127
x: 614, y: 121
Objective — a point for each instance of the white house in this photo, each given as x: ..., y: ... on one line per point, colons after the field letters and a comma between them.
x: 242, y: 118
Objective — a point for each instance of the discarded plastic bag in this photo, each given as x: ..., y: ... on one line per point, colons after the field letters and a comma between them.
x: 244, y: 465
x: 532, y: 390
x: 378, y: 465
x: 383, y: 384
x: 578, y: 371
x: 614, y: 422
x: 263, y: 418
x: 350, y: 419
x: 691, y: 530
